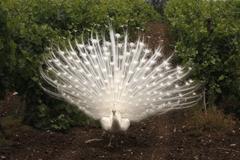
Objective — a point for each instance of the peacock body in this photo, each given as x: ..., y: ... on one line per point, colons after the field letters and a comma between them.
x: 117, y: 81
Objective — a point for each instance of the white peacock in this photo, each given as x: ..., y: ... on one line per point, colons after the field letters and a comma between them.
x: 117, y: 81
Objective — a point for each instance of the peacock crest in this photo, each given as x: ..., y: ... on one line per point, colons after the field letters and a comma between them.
x: 117, y: 81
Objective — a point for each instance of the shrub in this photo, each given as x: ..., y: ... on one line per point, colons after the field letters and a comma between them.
x: 59, y: 117
x: 213, y: 120
x: 207, y: 37
x: 28, y: 27
x: 4, y: 67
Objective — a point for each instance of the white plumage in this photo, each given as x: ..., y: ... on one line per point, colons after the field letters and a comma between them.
x: 117, y: 81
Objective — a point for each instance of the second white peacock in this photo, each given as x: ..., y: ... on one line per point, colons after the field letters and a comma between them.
x: 117, y: 81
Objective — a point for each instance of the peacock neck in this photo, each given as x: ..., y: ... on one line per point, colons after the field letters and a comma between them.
x: 115, y: 123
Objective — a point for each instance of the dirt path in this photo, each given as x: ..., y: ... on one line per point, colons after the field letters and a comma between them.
x: 145, y: 140
x: 165, y: 137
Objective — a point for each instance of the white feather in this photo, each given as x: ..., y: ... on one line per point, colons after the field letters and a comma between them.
x: 117, y: 75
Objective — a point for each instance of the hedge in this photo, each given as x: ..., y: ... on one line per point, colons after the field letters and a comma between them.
x: 207, y: 35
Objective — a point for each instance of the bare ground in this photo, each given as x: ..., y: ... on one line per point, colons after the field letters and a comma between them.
x: 166, y: 137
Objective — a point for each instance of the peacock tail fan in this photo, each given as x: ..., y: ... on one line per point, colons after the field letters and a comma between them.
x: 100, y: 76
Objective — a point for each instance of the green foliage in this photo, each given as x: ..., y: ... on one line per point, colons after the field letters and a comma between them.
x: 28, y: 27
x: 59, y: 117
x: 4, y: 67
x: 207, y: 37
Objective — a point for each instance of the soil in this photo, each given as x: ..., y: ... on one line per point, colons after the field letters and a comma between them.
x: 157, y: 34
x: 165, y: 137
